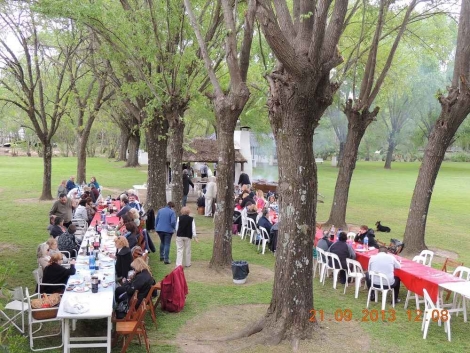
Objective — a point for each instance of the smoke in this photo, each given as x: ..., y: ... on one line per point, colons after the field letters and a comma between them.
x: 266, y: 172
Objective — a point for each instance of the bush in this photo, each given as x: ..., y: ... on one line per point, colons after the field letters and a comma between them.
x: 460, y: 157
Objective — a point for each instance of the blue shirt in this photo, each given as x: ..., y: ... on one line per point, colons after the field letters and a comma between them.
x: 165, y: 220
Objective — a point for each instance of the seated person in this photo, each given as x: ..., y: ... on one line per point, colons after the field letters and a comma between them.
x: 344, y: 251
x: 251, y: 211
x: 51, y: 223
x: 247, y: 198
x: 141, y: 281
x: 81, y: 211
x: 94, y: 183
x: 54, y: 273
x: 133, y: 203
x: 67, y: 242
x: 386, y: 264
x: 264, y: 221
x: 124, y: 206
x: 90, y: 209
x: 123, y: 257
x: 58, y: 227
x: 135, y: 218
x: 324, y: 243
x: 132, y: 234
x: 363, y: 231
x: 238, y: 204
x: 273, y: 236
x: 46, y: 250
x: 95, y: 193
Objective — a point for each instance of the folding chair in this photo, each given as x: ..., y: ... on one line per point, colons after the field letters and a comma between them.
x: 135, y: 327
x: 130, y: 312
x: 150, y: 304
x: 33, y: 321
x: 16, y: 308
x: 430, y: 315
x: 449, y: 266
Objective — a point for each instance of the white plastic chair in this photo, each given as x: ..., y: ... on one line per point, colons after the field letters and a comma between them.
x: 33, y: 321
x: 428, y: 255
x: 335, y: 267
x: 264, y: 239
x: 351, y: 236
x: 16, y: 308
x: 383, y: 281
x: 457, y: 300
x: 354, y: 270
x: 430, y: 311
x: 321, y: 262
x: 411, y: 295
x: 251, y: 225
x: 82, y: 227
x: 244, y: 228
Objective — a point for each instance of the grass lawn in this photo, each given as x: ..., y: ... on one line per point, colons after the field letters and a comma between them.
x: 376, y: 194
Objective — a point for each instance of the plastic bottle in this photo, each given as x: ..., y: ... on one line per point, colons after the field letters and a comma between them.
x: 91, y: 260
x: 88, y: 247
x: 332, y: 232
x: 366, y: 243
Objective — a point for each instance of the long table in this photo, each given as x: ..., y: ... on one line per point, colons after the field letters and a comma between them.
x: 413, y: 275
x: 100, y: 304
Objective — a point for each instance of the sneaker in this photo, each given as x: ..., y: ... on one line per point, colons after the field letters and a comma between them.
x: 167, y: 262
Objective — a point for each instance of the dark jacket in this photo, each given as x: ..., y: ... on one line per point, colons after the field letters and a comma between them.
x: 185, y: 226
x: 341, y: 249
x: 131, y: 239
x: 56, y: 274
x: 67, y: 242
x: 370, y: 234
x: 264, y: 222
x: 124, y: 210
x: 244, y: 179
x: 56, y: 231
x: 186, y: 183
x: 123, y: 262
x: 142, y: 282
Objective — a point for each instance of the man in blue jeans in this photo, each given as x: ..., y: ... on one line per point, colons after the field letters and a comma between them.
x: 165, y: 224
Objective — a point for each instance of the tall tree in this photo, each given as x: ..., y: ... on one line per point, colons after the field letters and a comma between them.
x: 358, y: 108
x: 228, y: 105
x: 455, y: 107
x: 305, y: 46
x: 34, y: 75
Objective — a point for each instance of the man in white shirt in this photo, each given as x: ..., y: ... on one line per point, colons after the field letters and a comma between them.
x: 210, y: 195
x: 384, y: 263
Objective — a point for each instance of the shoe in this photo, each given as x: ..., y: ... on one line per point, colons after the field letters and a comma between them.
x: 398, y: 300
x: 372, y: 298
x: 167, y: 262
x: 188, y: 266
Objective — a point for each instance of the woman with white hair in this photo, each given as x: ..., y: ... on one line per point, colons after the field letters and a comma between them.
x: 211, y: 193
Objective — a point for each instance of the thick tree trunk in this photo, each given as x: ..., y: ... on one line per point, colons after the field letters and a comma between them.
x: 291, y: 109
x: 222, y: 247
x: 439, y: 140
x: 357, y: 125
x: 175, y: 146
x: 82, y: 140
x: 133, y: 145
x: 341, y: 152
x: 123, y: 143
x: 156, y: 137
x: 390, y: 150
x: 47, y: 178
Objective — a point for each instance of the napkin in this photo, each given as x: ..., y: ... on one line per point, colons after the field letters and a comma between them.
x: 73, y: 305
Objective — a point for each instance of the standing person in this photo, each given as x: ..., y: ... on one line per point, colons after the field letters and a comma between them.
x: 186, y: 183
x: 386, y: 264
x: 204, y: 170
x: 70, y: 184
x: 63, y: 208
x: 185, y: 231
x: 62, y: 189
x: 165, y: 224
x: 344, y: 251
x: 244, y: 179
x: 210, y: 195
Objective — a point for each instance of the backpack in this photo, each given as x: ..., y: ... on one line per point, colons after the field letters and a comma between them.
x: 174, y: 291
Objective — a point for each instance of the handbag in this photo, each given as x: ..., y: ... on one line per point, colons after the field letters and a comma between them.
x: 51, y: 301
x: 122, y: 309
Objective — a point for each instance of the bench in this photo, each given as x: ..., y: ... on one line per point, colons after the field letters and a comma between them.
x: 318, y: 160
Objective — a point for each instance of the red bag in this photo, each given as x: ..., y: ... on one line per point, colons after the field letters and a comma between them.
x: 174, y: 291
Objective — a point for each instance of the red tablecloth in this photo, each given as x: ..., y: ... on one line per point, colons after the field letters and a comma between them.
x: 110, y: 219
x: 414, y: 276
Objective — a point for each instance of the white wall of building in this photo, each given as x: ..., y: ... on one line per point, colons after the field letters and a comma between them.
x: 242, y: 141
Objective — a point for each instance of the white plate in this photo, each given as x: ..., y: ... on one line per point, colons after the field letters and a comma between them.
x: 361, y: 250
x: 81, y: 289
x: 75, y: 281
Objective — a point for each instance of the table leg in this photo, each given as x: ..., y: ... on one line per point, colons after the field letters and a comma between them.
x: 464, y: 305
x: 66, y: 335
x: 110, y: 325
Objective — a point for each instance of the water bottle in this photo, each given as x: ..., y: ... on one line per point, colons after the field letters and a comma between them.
x: 91, y: 261
x: 366, y: 243
x: 332, y: 232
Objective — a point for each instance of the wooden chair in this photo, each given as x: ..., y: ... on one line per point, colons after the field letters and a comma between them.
x: 131, y: 310
x: 134, y: 327
x: 148, y: 301
x: 449, y: 266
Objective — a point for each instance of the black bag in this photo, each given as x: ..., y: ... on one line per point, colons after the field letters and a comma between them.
x: 396, y: 246
x: 122, y: 309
